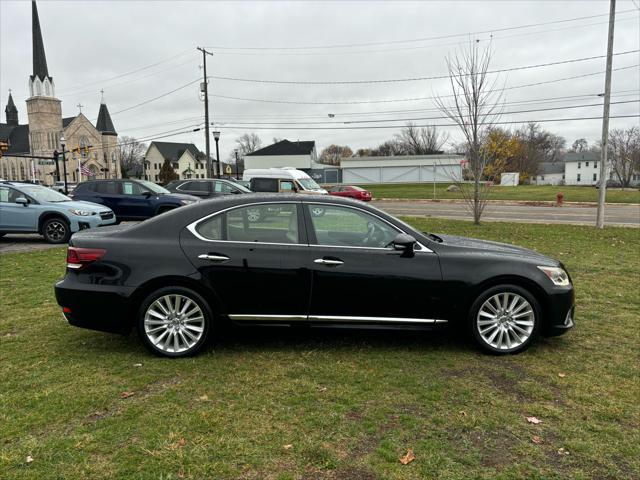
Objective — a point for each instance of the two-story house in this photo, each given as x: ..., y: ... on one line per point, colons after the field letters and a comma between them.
x: 186, y: 159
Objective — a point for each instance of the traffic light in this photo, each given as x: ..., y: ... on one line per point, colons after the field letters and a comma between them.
x: 56, y: 155
x: 4, y: 146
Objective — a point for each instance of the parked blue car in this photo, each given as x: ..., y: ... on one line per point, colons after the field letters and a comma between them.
x: 131, y: 199
x: 29, y: 208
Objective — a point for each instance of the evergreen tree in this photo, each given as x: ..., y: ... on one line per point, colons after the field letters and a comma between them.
x: 167, y: 173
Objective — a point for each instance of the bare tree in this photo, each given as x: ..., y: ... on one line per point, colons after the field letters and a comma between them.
x: 131, y: 155
x: 248, y: 143
x: 624, y: 154
x: 332, y: 154
x: 477, y: 103
x: 414, y: 140
x: 580, y: 145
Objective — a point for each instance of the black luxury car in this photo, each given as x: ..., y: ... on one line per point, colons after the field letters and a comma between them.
x: 179, y: 276
x: 206, y: 187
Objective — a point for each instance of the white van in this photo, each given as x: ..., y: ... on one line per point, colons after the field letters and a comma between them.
x: 304, y: 182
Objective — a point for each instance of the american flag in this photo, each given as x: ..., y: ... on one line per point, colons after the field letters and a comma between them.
x: 85, y: 171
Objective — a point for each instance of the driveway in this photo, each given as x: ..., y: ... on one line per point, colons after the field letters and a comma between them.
x: 619, y: 214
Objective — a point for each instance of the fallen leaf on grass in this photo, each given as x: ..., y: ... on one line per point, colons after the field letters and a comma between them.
x: 181, y: 474
x: 29, y: 459
x: 182, y: 442
x: 534, y: 420
x: 562, y: 375
x: 536, y: 439
x: 563, y: 451
x: 408, y: 458
x: 203, y: 398
x: 288, y: 447
x: 127, y: 394
x: 137, y: 364
x: 462, y: 413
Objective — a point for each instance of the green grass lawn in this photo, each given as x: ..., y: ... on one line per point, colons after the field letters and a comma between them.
x: 521, y: 192
x: 285, y: 405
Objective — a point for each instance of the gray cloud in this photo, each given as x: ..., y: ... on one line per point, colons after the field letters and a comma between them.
x: 88, y: 43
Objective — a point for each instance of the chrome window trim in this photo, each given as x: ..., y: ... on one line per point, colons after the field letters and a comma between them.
x: 333, y: 318
x: 193, y: 225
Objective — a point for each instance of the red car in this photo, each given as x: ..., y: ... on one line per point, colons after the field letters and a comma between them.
x: 351, y: 191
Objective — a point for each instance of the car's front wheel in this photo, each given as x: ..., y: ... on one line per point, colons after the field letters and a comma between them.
x: 174, y: 322
x: 505, y: 319
x: 56, y: 230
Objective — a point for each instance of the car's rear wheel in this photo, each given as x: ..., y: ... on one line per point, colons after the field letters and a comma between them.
x: 174, y: 322
x: 505, y: 319
x: 56, y: 230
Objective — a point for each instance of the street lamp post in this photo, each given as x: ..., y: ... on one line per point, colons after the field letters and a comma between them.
x: 216, y: 136
x: 63, y: 141
x: 237, y: 165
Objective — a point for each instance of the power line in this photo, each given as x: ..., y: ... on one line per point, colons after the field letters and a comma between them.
x: 419, y: 47
x: 513, y: 122
x: 127, y: 73
x: 413, y: 79
x: 414, y: 40
x: 156, y: 98
x: 396, y: 100
x: 563, y: 107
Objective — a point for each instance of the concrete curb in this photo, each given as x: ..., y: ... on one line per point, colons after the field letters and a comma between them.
x: 530, y: 203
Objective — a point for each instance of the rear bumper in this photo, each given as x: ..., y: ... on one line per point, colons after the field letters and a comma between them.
x: 105, y: 308
x: 561, y: 312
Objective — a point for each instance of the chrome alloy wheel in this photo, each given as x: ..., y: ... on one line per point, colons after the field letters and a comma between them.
x: 505, y: 321
x: 174, y: 323
x: 56, y: 230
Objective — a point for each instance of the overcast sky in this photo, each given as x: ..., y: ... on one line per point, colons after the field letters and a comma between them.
x: 88, y: 43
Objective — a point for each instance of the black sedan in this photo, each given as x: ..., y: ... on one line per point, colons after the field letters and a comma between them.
x: 178, y: 277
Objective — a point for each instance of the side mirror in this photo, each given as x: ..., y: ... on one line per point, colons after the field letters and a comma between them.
x: 404, y: 243
x: 22, y: 201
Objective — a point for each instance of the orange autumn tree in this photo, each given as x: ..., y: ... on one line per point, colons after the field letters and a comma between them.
x: 504, y: 150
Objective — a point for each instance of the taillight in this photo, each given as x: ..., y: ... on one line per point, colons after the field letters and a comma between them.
x: 81, y: 257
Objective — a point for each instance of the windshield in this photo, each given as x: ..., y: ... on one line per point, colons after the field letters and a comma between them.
x: 241, y: 187
x: 153, y: 187
x: 309, y: 184
x: 44, y: 194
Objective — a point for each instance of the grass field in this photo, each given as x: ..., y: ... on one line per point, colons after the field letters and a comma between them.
x: 521, y: 192
x: 286, y: 405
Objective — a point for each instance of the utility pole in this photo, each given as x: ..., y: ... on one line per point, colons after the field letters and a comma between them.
x: 206, y: 111
x: 605, y: 120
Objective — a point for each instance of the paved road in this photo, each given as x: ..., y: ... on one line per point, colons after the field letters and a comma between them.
x: 626, y: 215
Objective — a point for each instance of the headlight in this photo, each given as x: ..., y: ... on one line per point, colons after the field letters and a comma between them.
x: 187, y: 202
x: 81, y: 213
x: 557, y: 275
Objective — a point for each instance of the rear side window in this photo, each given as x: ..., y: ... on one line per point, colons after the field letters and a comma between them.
x: 287, y: 186
x: 264, y: 184
x: 224, y: 188
x: 211, y: 229
x: 268, y: 223
x: 195, y: 186
x: 105, y: 187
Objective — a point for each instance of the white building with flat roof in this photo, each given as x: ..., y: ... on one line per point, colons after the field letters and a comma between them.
x: 441, y: 168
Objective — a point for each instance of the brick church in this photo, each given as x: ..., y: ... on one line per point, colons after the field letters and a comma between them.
x: 91, y: 150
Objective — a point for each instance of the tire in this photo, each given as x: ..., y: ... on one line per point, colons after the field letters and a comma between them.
x: 509, y: 330
x: 188, y: 336
x: 317, y: 211
x: 56, y: 230
x: 254, y: 214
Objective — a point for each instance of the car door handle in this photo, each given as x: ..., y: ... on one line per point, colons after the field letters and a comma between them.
x: 213, y: 258
x: 329, y: 262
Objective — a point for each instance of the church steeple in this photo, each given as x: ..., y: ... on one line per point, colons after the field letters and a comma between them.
x: 104, y: 124
x: 11, y: 112
x: 40, y: 83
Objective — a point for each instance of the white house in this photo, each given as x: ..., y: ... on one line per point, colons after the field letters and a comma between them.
x: 440, y: 168
x: 550, y: 173
x: 284, y: 153
x: 581, y: 168
x: 187, y: 160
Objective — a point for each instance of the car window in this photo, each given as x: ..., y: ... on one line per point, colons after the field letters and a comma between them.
x: 211, y: 228
x: 222, y: 187
x: 264, y: 185
x: 131, y: 188
x: 9, y: 195
x: 348, y: 227
x: 269, y: 223
x: 287, y: 186
x: 106, y: 187
x: 42, y: 194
